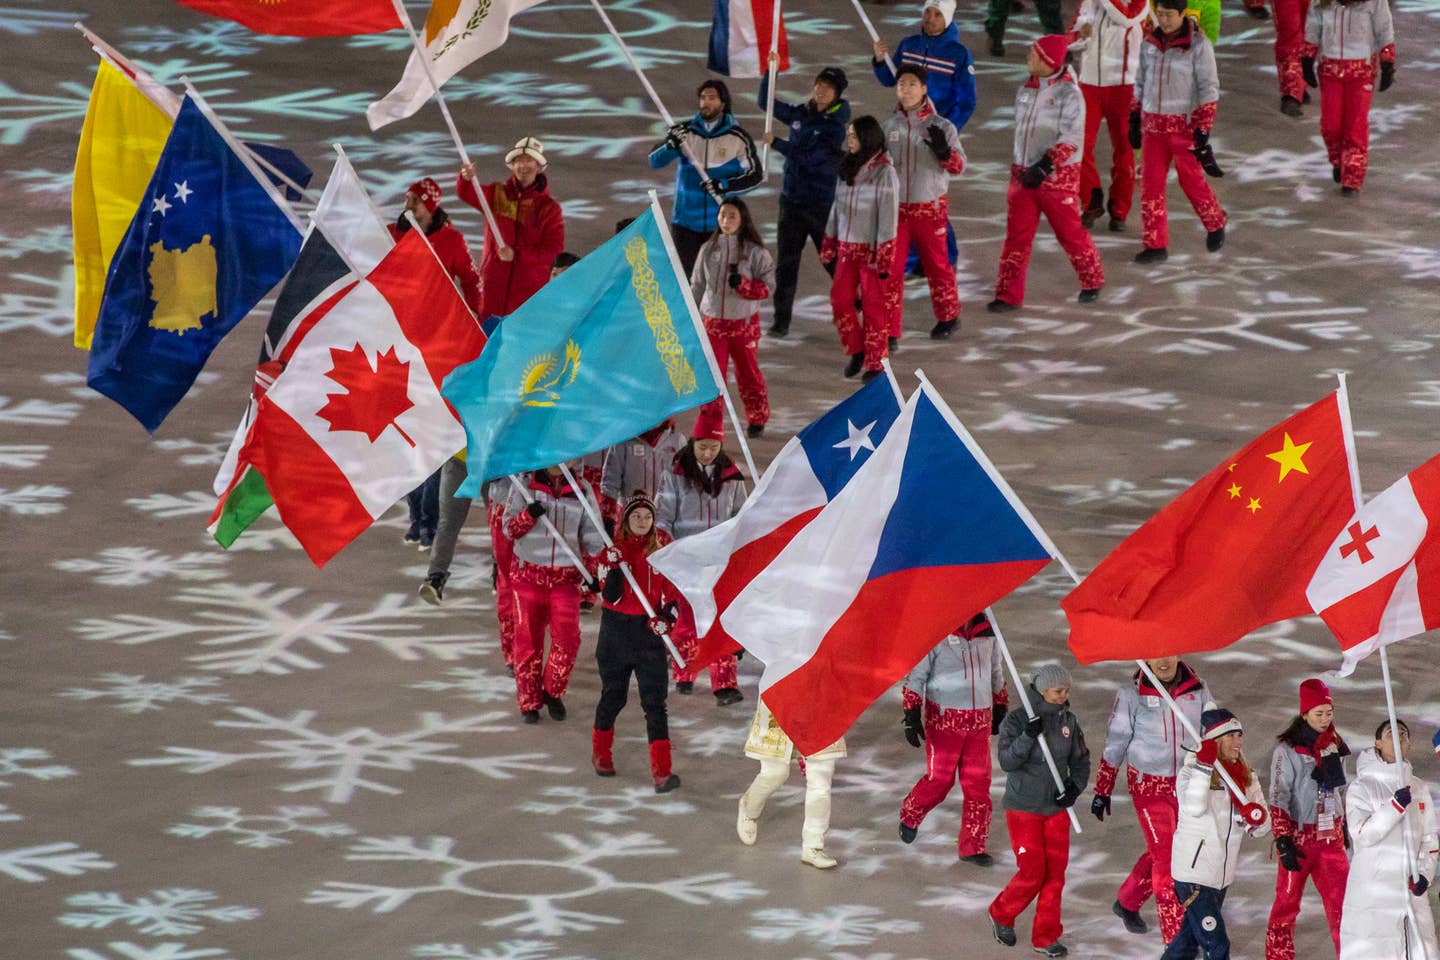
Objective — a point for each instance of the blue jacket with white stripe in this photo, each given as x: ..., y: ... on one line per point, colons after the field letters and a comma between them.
x: 728, y: 154
x: 950, y: 68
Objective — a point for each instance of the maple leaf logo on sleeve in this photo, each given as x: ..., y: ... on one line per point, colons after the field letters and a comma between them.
x: 376, y: 396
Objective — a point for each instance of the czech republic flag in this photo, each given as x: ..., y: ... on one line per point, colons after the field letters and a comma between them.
x: 924, y: 536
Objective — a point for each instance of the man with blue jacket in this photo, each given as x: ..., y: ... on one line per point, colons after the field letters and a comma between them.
x: 950, y: 80
x: 812, y: 161
x: 730, y: 166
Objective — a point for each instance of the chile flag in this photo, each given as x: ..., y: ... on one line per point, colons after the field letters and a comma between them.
x: 926, y: 535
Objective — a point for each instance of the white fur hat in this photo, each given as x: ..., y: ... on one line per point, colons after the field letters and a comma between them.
x: 946, y: 8
x: 527, y: 147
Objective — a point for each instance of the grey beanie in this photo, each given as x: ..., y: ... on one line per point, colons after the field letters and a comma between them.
x: 1051, y: 675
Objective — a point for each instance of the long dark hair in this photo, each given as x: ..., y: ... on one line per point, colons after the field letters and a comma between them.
x: 438, y: 219
x: 748, y: 233
x: 1292, y: 735
x: 697, y: 476
x: 872, y: 142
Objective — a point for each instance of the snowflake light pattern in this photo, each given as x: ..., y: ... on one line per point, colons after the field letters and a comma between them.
x: 260, y: 831
x: 540, y: 912
x: 126, y: 950
x: 346, y: 757
x: 504, y: 950
x: 164, y: 913
x: 475, y: 684
x: 631, y: 803
x: 135, y: 694
x: 840, y: 925
x: 138, y: 566
x: 32, y: 864
x: 20, y: 762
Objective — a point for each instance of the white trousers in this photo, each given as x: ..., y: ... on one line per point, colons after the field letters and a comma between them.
x: 818, y: 774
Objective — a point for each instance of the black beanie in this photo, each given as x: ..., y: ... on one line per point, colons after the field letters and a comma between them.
x: 835, y: 77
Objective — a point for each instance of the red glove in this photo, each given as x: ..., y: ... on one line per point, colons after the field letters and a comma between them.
x: 659, y: 626
x: 1253, y: 814
x: 610, y: 556
x: 1205, y: 756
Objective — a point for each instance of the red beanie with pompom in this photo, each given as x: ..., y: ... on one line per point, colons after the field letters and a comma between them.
x: 1051, y: 50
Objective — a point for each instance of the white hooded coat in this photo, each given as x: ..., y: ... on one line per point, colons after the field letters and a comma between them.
x: 1373, y: 924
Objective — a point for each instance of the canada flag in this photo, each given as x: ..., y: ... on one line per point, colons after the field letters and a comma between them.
x: 1380, y: 580
x: 356, y: 419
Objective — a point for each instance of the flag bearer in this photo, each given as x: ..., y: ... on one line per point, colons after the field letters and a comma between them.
x: 955, y: 701
x: 1349, y: 35
x: 770, y: 745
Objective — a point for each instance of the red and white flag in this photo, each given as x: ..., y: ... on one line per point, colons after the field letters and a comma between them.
x: 356, y: 419
x: 1380, y: 580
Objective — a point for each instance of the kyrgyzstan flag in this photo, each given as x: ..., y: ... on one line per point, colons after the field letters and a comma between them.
x: 356, y: 419
x: 1229, y: 555
x: 883, y: 574
x: 305, y: 18
x: 1380, y: 579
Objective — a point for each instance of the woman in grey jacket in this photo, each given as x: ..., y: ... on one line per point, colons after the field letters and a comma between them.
x: 1035, y: 810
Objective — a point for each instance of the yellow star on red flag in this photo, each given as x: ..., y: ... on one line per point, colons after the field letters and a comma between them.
x: 1290, y: 457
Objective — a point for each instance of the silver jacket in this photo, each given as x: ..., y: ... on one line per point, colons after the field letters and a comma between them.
x: 921, y: 177
x: 1350, y: 31
x: 683, y: 511
x: 959, y: 674
x: 1049, y: 111
x: 639, y: 466
x: 1143, y: 731
x: 867, y: 211
x: 710, y: 280
x: 1178, y: 78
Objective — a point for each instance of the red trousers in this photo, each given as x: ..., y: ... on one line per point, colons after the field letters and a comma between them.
x: 869, y: 334
x: 1042, y: 851
x: 724, y: 674
x: 924, y: 225
x: 1151, y: 874
x: 1346, y: 87
x: 739, y: 340
x: 556, y: 606
x: 502, y: 551
x: 1057, y: 201
x: 1111, y: 104
x: 1325, y: 862
x: 1157, y: 150
x: 952, y: 755
x: 1290, y: 45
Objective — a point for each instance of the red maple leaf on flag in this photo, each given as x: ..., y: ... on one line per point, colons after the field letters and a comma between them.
x: 376, y: 397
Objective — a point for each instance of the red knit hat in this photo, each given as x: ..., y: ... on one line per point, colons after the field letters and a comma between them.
x: 709, y: 425
x: 1314, y: 693
x: 427, y: 191
x: 1051, y: 50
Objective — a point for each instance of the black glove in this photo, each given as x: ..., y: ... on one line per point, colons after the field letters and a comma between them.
x: 1329, y: 772
x: 1067, y: 797
x: 1033, y: 726
x: 1100, y: 806
x: 997, y: 716
x: 914, y: 726
x: 935, y: 140
x: 734, y: 278
x: 594, y: 586
x: 1135, y: 129
x: 1289, y: 855
x: 714, y: 189
x: 1307, y: 71
x: 1387, y: 74
x: 1205, y: 156
x: 1035, y: 174
x: 671, y: 611
x: 1402, y: 797
x: 609, y: 524
x: 1419, y: 885
x: 676, y: 135
x: 739, y: 654
x: 535, y: 508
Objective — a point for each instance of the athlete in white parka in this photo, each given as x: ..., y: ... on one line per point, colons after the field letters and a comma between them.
x: 1380, y: 920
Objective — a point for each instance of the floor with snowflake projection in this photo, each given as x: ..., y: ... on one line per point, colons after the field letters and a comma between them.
x: 234, y: 756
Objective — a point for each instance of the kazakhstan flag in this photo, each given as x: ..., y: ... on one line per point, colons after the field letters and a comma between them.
x: 603, y: 352
x: 208, y: 241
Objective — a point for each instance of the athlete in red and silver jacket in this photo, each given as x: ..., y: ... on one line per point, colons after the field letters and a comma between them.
x: 954, y: 700
x: 860, y: 241
x: 1349, y: 35
x: 1176, y: 91
x: 1145, y: 736
x: 1108, y: 34
x: 1044, y: 171
x: 638, y: 466
x: 926, y: 151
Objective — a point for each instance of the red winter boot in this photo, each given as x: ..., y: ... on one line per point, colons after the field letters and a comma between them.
x: 600, y: 743
x: 665, y: 781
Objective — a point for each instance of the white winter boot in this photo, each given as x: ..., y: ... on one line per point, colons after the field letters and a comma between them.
x: 746, y: 826
x: 817, y: 858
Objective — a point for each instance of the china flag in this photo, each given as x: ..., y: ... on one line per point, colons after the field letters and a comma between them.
x: 305, y: 18
x: 1229, y: 555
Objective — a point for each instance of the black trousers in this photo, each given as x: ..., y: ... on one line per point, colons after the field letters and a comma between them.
x: 687, y: 244
x: 798, y: 223
x: 627, y: 646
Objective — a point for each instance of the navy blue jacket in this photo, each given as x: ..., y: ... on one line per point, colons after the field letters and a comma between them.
x: 812, y: 153
x: 730, y: 160
x: 948, y: 64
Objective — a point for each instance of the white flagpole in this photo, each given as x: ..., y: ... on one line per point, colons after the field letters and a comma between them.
x: 700, y: 332
x: 770, y: 99
x: 1030, y: 713
x: 550, y: 528
x: 870, y: 29
x: 424, y: 60
x: 594, y: 515
x: 894, y: 384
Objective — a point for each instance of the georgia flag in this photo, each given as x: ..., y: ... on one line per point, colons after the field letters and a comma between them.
x: 1380, y: 580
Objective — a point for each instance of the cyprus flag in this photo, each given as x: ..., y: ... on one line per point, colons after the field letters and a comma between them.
x: 457, y: 33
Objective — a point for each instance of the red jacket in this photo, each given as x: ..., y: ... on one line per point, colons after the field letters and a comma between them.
x: 454, y: 254
x: 532, y: 225
x: 655, y: 586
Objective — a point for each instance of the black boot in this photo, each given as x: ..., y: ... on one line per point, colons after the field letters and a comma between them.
x: 1001, y: 306
x: 1094, y: 208
x: 944, y: 329
x: 1089, y: 296
x: 1335, y: 174
x: 1291, y: 107
x: 1153, y: 255
x: 779, y: 330
x: 432, y: 591
x: 1134, y: 923
x: 997, y: 47
x: 728, y: 695
x: 530, y: 716
x: 1215, y: 239
x: 869, y: 375
x: 981, y: 859
x: 857, y: 360
x: 1005, y: 936
x: 754, y: 430
x: 555, y: 706
x: 894, y: 344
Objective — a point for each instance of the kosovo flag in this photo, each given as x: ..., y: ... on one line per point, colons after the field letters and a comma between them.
x: 207, y: 243
x: 601, y: 353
